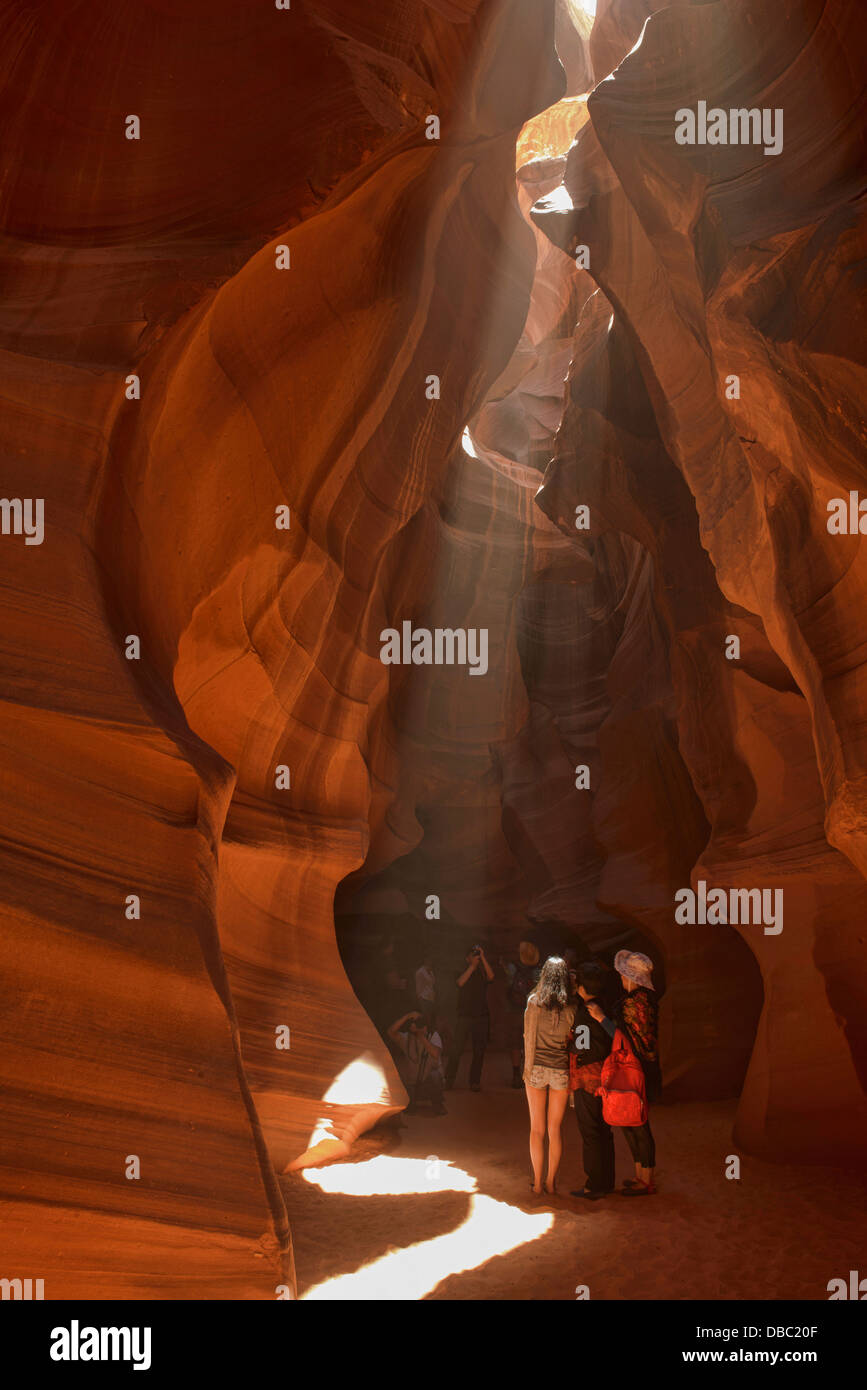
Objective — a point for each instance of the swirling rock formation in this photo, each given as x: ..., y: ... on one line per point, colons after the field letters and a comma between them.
x: 719, y: 262
x: 285, y: 260
x: 704, y: 263
x: 157, y: 778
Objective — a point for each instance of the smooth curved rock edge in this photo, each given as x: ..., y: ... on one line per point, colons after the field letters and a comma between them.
x: 156, y: 1037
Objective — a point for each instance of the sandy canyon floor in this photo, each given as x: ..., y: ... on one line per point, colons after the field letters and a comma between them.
x: 441, y: 1208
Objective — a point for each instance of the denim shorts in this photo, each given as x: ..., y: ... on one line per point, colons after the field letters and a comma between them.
x: 547, y: 1076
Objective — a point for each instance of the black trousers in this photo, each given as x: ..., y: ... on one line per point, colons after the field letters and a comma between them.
x: 597, y: 1141
x: 642, y: 1144
x: 477, y: 1030
x: 430, y: 1088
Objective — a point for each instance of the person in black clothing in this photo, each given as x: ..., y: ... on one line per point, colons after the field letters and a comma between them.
x: 592, y: 1037
x: 472, y: 1017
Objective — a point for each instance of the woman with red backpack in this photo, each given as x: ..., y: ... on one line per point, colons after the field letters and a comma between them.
x: 637, y: 1018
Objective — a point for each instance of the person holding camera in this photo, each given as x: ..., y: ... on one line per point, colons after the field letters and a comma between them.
x: 472, y: 1017
x: 426, y: 990
x: 421, y: 1065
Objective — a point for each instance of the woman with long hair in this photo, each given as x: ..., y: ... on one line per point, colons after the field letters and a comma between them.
x: 548, y: 1022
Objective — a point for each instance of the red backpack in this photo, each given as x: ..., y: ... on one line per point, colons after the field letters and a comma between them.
x: 624, y: 1100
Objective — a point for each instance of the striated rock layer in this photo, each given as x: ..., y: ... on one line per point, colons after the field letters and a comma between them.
x: 255, y: 759
x: 720, y: 261
x: 708, y: 523
x: 157, y: 777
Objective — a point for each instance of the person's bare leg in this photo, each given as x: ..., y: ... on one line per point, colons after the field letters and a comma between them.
x: 556, y: 1110
x: 536, y: 1102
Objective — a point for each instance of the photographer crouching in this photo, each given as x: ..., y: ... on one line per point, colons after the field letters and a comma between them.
x: 420, y: 1063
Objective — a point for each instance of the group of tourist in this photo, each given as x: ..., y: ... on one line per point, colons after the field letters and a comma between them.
x: 569, y: 1043
x: 606, y: 1057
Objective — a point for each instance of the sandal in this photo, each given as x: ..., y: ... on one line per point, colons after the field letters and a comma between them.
x: 638, y: 1189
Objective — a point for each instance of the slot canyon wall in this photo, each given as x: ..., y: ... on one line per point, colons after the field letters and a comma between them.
x: 721, y: 262
x: 151, y: 1029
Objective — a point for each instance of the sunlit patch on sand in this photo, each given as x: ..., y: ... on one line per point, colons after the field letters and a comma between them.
x: 397, y: 1177
x: 490, y: 1228
x: 363, y: 1090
